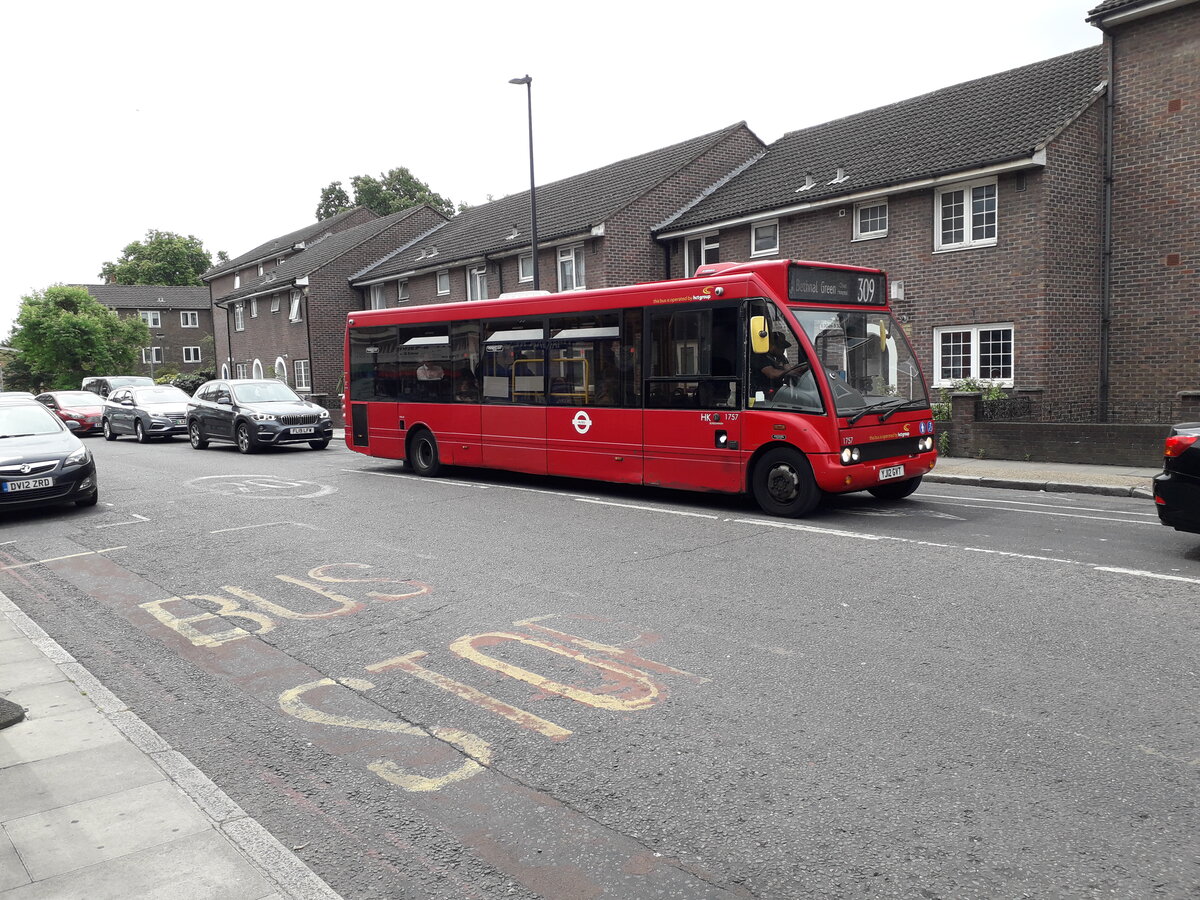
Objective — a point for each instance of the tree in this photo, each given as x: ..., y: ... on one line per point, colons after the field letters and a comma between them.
x: 395, y: 190
x: 64, y: 334
x: 334, y: 200
x: 163, y: 258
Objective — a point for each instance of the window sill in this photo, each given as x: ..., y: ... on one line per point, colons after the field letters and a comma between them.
x: 958, y: 249
x: 760, y: 253
x: 869, y: 237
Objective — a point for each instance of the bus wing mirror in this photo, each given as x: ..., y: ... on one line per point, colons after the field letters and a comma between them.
x: 760, y: 337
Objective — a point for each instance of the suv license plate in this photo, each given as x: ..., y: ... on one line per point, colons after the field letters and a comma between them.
x: 891, y: 472
x: 31, y: 484
x: 307, y: 430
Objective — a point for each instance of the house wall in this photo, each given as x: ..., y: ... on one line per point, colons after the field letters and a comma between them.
x: 175, y: 338
x: 993, y: 284
x: 1156, y: 206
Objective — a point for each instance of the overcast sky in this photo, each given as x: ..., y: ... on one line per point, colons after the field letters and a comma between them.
x: 224, y: 120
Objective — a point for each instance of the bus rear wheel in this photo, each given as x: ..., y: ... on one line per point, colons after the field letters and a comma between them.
x: 783, y: 483
x: 423, y: 454
x: 895, y: 490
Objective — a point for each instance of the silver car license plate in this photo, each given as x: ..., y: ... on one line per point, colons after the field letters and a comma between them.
x: 28, y: 484
x: 891, y: 472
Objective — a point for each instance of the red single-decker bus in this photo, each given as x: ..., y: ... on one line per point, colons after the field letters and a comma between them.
x: 784, y: 379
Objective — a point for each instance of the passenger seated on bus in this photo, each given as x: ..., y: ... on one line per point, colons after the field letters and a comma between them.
x: 430, y: 371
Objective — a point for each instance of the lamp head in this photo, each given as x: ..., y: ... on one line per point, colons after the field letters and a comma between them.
x: 525, y: 80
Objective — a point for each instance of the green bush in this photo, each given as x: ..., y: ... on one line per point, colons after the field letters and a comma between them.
x: 191, y: 381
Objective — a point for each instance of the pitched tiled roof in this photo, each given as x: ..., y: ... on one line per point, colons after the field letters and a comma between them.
x: 565, y: 208
x: 979, y: 123
x: 1111, y: 7
x: 148, y: 296
x: 281, y: 243
x: 319, y: 251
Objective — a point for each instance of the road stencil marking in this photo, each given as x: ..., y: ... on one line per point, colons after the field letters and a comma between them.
x: 60, y: 558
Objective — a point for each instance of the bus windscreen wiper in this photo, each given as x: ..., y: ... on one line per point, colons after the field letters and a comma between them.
x: 895, y: 403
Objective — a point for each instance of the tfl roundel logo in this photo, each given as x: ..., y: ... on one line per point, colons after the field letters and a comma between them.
x: 582, y: 422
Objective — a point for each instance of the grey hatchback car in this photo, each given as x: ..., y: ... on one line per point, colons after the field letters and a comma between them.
x: 41, y: 461
x: 255, y: 413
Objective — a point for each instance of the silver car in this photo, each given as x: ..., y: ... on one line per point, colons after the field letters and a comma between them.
x: 145, y: 412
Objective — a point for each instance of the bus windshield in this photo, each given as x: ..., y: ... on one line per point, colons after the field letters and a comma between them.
x: 867, y: 359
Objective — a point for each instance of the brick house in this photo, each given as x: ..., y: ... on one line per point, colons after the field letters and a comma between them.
x: 593, y: 229
x: 1151, y: 312
x: 180, y: 320
x: 986, y: 203
x: 280, y: 309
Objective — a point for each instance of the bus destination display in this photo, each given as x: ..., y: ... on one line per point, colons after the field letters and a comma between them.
x: 835, y: 286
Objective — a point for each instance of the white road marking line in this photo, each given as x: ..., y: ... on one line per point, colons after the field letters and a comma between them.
x: 59, y: 558
x: 1142, y: 573
x: 135, y: 521
x: 1046, y: 512
x: 924, y: 496
x: 657, y: 509
x: 263, y: 525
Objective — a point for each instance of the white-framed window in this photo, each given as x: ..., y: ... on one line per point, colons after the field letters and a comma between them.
x: 965, y: 216
x: 294, y: 312
x: 224, y: 370
x: 239, y: 317
x: 260, y: 268
x: 254, y: 307
x: 443, y: 282
x: 870, y: 220
x: 402, y: 290
x: 477, y: 283
x: 525, y: 267
x: 281, y: 369
x: 152, y: 355
x: 239, y: 371
x: 764, y: 238
x: 303, y: 380
x: 191, y: 354
x: 275, y: 300
x: 700, y: 251
x: 981, y: 352
x: 279, y: 262
x: 152, y: 317
x: 257, y: 369
x: 570, y: 268
x: 189, y: 319
x: 375, y: 297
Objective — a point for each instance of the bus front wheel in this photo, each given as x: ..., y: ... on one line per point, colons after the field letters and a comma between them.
x: 895, y: 490
x: 423, y: 453
x: 783, y: 483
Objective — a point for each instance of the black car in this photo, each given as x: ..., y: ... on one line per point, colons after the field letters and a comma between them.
x: 146, y: 412
x: 41, y: 461
x: 255, y: 413
x: 1177, y: 489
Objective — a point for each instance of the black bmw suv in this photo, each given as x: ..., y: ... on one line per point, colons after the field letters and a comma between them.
x: 255, y: 413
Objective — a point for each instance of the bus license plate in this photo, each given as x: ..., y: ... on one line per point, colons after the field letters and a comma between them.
x: 891, y: 472
x: 31, y: 484
x: 307, y: 430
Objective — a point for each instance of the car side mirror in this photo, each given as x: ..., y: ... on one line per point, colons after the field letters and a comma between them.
x: 72, y: 425
x: 125, y: 401
x: 225, y: 401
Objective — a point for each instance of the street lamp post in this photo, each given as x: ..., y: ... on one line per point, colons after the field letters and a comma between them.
x: 528, y: 82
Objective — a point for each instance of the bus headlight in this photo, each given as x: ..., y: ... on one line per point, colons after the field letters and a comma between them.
x: 850, y: 455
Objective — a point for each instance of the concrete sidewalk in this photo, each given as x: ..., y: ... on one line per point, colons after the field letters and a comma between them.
x: 94, y: 805
x: 1117, y: 481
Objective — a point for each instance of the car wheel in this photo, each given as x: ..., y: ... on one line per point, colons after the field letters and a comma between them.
x: 139, y: 432
x: 245, y: 443
x: 90, y: 500
x: 783, y: 483
x: 196, y: 436
x: 319, y: 445
x: 423, y: 453
x: 896, y: 490
x: 109, y: 434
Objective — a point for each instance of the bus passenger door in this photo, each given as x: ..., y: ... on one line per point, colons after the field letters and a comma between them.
x: 694, y: 449
x: 692, y: 427
x: 513, y: 388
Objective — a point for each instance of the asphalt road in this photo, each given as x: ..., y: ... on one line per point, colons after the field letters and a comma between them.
x: 488, y: 685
